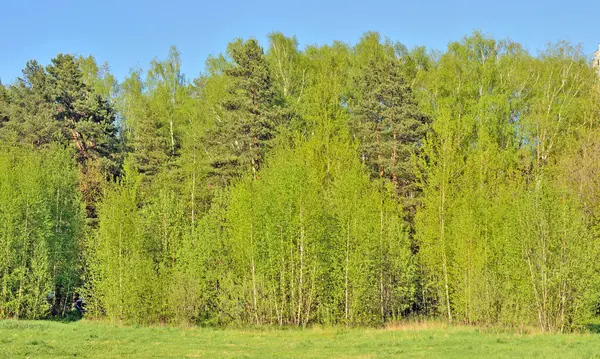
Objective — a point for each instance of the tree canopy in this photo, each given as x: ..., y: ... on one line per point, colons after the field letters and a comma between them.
x: 334, y: 184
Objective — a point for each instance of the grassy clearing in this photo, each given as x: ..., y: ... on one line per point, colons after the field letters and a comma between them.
x: 89, y: 339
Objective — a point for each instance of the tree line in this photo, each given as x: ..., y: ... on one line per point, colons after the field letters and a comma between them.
x: 335, y: 184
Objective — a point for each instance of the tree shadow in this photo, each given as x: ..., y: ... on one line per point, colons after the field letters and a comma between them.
x: 70, y: 317
x: 593, y: 328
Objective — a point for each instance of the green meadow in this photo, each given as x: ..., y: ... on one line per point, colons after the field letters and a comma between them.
x: 91, y: 339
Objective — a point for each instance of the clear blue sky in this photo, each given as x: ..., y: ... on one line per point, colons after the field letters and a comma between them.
x: 128, y: 34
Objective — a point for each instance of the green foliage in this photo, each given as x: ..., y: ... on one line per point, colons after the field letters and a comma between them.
x: 41, y: 216
x: 156, y: 109
x: 498, y: 233
x: 66, y: 103
x: 55, y: 104
x: 135, y: 240
x: 334, y: 184
x: 287, y: 66
x: 386, y: 118
x: 238, y: 143
x: 283, y: 232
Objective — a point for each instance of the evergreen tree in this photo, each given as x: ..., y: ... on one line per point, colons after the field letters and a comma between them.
x: 29, y: 109
x: 388, y: 123
x: 239, y: 142
x: 53, y: 105
x: 279, y: 188
x: 84, y: 116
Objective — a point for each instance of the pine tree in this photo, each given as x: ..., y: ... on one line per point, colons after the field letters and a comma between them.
x: 239, y: 142
x: 29, y: 109
x: 84, y: 116
x: 53, y: 105
x: 388, y: 123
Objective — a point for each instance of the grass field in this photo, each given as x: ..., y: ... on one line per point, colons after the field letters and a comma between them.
x: 88, y: 339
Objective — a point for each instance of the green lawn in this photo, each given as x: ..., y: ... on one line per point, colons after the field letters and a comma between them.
x: 88, y: 339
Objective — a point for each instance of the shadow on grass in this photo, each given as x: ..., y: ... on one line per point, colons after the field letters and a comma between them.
x: 71, y: 317
x: 593, y: 328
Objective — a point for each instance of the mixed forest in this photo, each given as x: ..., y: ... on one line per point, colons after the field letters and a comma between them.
x: 336, y: 185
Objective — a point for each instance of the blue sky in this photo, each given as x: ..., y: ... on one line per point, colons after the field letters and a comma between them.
x: 128, y: 34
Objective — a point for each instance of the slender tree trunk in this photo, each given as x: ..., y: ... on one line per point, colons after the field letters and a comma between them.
x: 536, y: 294
x: 310, y: 295
x: 65, y: 299
x: 80, y: 144
x: 57, y: 227
x: 252, y: 263
x: 282, y: 277
x: 172, y: 137
x: 379, y: 166
x: 381, y: 261
x: 563, y: 286
x: 300, y: 284
x: 292, y: 296
x: 24, y: 264
x: 442, y: 210
x: 347, y: 269
x: 165, y: 235
x: 541, y: 230
x: 194, y: 191
x: 20, y: 296
x: 394, y: 160
x: 121, y: 271
x: 256, y: 165
x: 544, y: 284
x: 3, y: 310
x: 171, y: 132
x: 254, y: 292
